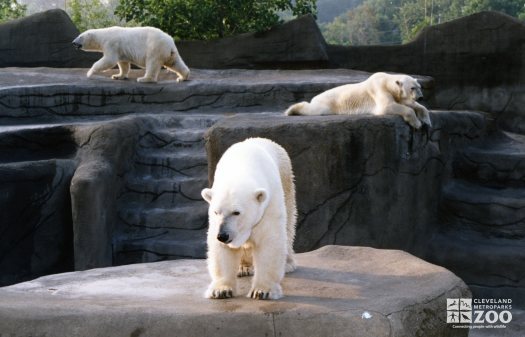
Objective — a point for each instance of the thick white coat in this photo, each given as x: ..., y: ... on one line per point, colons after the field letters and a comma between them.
x: 380, y: 94
x: 146, y: 47
x: 252, y: 201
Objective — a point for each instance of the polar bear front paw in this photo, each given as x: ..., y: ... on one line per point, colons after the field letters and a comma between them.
x: 219, y: 292
x: 258, y: 294
x: 245, y: 271
x: 415, y: 123
x: 264, y: 294
x: 90, y: 73
x: 426, y: 121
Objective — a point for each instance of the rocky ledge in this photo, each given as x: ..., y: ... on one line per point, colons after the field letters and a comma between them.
x: 336, y: 291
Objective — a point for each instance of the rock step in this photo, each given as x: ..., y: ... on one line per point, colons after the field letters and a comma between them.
x: 173, y: 139
x: 500, y: 160
x: 497, y: 211
x: 167, y: 245
x: 169, y: 164
x: 492, y: 267
x: 150, y: 219
x: 163, y: 192
x: 184, y: 121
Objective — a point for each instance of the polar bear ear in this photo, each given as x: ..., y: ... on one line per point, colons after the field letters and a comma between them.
x: 261, y: 195
x: 206, y: 194
x: 398, y: 82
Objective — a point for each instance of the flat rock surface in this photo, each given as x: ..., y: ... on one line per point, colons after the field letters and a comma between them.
x: 336, y: 291
x: 37, y: 76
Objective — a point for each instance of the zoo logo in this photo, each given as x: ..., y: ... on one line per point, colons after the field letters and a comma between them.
x: 459, y: 310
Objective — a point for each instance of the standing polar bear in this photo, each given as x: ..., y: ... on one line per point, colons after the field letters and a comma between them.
x: 380, y: 94
x: 146, y: 47
x: 252, y: 216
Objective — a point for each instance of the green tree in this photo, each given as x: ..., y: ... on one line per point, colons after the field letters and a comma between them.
x: 87, y: 14
x: 359, y: 26
x: 11, y: 9
x: 209, y: 19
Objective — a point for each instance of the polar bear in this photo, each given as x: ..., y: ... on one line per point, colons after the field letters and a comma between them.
x: 380, y: 94
x: 146, y: 47
x: 252, y: 215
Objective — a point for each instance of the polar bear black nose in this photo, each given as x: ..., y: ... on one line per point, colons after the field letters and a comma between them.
x: 223, y: 237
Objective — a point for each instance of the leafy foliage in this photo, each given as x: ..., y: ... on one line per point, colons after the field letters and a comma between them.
x: 209, y: 19
x: 11, y: 9
x: 87, y: 14
x: 395, y: 21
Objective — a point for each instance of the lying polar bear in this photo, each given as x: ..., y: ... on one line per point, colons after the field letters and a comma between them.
x: 380, y: 94
x: 252, y: 217
x: 146, y: 47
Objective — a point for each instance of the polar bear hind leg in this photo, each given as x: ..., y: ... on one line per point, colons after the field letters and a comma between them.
x: 123, y: 71
x: 177, y: 65
x: 153, y: 67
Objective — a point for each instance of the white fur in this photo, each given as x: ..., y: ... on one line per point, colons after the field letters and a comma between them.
x: 380, y: 94
x: 254, y: 178
x: 146, y: 47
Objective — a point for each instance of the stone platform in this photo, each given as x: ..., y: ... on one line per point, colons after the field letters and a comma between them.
x: 42, y: 95
x: 336, y: 291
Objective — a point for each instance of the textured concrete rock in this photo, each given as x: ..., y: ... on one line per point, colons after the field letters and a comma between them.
x: 105, y: 151
x: 360, y: 179
x: 161, y: 214
x: 295, y: 44
x: 35, y: 208
x: 45, y: 94
x: 482, y: 215
x: 42, y: 40
x: 35, y: 222
x: 336, y: 291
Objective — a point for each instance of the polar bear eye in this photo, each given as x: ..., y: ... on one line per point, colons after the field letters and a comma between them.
x: 236, y: 213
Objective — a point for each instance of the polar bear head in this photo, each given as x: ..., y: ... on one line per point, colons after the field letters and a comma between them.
x: 87, y: 41
x: 233, y: 212
x: 409, y: 88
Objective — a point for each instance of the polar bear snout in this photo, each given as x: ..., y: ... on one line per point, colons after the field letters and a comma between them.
x: 77, y: 43
x: 223, y: 237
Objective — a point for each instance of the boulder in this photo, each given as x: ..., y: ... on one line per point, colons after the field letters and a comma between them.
x: 295, y: 44
x: 336, y: 291
x: 42, y: 40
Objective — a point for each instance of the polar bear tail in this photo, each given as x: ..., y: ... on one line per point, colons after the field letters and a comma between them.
x: 298, y: 109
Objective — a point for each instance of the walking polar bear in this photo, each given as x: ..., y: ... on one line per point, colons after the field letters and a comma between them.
x: 380, y: 94
x: 252, y: 215
x: 146, y: 47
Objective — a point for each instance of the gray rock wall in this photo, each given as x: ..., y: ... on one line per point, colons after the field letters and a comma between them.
x: 105, y: 151
x: 36, y: 167
x: 42, y: 40
x: 360, y: 180
x: 295, y: 44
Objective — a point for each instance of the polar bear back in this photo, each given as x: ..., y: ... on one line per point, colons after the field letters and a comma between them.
x: 134, y: 43
x: 254, y: 160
